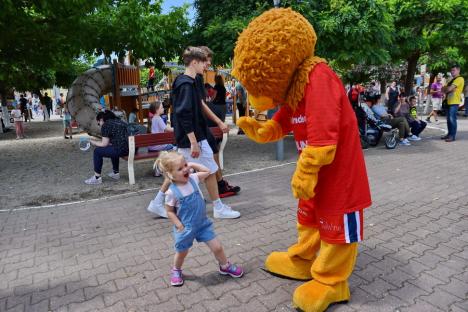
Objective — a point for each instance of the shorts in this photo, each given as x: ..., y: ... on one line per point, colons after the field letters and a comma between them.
x: 334, y: 229
x: 436, y: 103
x: 67, y: 123
x: 206, y: 156
x: 184, y: 240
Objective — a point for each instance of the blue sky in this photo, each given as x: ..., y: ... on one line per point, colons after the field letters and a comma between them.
x: 167, y: 4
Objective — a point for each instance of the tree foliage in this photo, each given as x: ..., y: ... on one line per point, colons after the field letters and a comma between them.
x: 436, y: 29
x: 349, y: 32
x: 43, y: 42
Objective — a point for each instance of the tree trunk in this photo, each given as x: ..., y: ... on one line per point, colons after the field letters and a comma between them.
x: 411, y: 70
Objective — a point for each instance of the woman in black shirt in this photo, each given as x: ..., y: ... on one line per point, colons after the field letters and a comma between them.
x: 114, y: 144
x: 218, y: 105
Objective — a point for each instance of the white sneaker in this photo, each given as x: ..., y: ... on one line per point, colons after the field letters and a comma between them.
x: 157, y: 207
x: 225, y: 212
x: 405, y: 142
x: 93, y: 181
x: 113, y: 175
x: 414, y: 138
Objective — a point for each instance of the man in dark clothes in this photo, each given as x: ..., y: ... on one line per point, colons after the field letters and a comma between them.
x: 48, y: 104
x: 190, y: 126
x: 224, y: 189
x: 24, y: 107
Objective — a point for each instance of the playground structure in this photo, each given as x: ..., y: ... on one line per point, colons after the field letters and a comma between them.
x: 121, y: 81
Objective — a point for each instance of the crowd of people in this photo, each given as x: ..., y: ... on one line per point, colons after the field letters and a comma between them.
x: 29, y: 107
x: 399, y: 110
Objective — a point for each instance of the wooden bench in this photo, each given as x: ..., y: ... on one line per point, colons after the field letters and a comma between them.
x: 151, y: 139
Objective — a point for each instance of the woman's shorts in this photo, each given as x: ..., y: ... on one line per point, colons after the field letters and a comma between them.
x: 436, y: 103
x: 206, y: 156
x: 66, y: 123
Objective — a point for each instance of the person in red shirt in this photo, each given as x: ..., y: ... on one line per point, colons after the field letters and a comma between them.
x: 151, y: 78
x: 330, y: 179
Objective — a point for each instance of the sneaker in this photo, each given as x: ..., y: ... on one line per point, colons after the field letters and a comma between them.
x: 414, y: 138
x: 157, y: 208
x: 114, y: 175
x: 235, y: 189
x: 232, y: 270
x: 444, y: 137
x: 405, y: 142
x: 176, y: 277
x: 93, y: 180
x: 225, y: 212
x: 226, y: 190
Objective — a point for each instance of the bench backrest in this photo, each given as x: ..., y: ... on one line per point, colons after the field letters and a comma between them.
x: 150, y: 139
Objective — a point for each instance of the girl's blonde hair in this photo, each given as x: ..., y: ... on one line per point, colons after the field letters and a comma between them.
x: 167, y: 160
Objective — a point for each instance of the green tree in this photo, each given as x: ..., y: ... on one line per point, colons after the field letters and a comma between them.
x: 349, y: 32
x: 43, y: 42
x: 432, y: 28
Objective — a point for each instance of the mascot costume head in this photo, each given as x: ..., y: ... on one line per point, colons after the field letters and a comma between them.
x: 275, y: 61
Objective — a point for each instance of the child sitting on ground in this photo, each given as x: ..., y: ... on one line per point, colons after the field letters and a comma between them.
x: 187, y: 211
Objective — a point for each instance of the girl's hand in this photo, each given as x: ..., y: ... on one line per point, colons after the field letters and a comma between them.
x: 180, y: 227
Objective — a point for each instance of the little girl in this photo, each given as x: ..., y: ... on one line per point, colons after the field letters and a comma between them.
x: 18, y: 118
x: 159, y: 126
x: 186, y: 209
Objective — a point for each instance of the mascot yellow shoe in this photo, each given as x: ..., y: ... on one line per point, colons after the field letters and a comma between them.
x: 330, y: 273
x: 296, y: 263
x: 274, y: 60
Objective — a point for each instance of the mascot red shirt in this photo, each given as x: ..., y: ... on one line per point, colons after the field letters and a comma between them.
x: 325, y: 117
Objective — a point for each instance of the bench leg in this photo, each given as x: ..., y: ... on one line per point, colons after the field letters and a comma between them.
x: 131, y: 173
x: 221, y: 150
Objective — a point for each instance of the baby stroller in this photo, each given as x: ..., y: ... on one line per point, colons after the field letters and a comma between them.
x: 371, y: 132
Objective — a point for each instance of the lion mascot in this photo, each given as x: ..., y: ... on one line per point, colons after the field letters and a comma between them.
x: 274, y: 60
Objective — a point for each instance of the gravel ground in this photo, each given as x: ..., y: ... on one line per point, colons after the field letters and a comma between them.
x: 46, y: 169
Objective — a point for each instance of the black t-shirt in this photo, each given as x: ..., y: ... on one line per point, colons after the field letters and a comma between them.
x: 47, y: 101
x: 200, y: 85
x: 116, y: 131
x: 220, y: 98
x: 23, y: 104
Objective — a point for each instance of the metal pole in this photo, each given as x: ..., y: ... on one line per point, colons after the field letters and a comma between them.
x: 280, y: 150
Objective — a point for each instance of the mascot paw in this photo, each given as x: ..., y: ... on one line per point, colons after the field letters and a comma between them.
x: 280, y: 263
x: 316, y: 297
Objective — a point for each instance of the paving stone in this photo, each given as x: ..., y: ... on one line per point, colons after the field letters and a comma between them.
x: 378, y: 287
x: 120, y: 295
x: 456, y: 287
x: 440, y: 299
x: 95, y: 304
x: 111, y: 255
x: 421, y: 306
x: 408, y: 292
x: 60, y: 301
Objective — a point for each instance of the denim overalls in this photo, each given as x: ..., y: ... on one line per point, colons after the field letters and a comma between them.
x: 192, y: 213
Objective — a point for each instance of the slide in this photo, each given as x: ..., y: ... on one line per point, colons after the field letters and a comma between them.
x: 84, y: 94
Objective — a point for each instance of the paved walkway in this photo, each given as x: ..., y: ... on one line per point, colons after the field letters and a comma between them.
x: 111, y: 255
